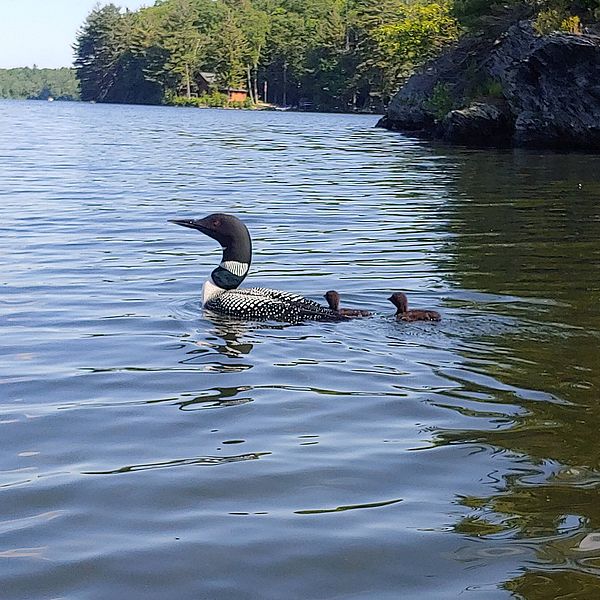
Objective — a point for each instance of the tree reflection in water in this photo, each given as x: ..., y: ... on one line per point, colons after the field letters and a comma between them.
x: 533, y: 233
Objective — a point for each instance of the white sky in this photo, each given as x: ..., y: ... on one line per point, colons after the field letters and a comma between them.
x: 41, y: 32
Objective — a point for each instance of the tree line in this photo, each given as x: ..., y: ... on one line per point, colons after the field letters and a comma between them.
x: 325, y: 54
x: 329, y: 54
x: 39, y: 84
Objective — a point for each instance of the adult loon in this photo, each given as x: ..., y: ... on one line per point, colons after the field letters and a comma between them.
x: 399, y: 300
x: 220, y: 292
x: 333, y: 299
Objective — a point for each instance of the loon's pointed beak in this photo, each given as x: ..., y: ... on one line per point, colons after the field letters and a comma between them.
x: 213, y: 227
x: 198, y: 224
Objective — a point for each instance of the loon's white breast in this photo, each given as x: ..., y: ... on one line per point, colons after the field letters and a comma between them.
x: 210, y: 291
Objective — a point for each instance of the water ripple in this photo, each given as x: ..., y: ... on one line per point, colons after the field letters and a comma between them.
x: 471, y: 441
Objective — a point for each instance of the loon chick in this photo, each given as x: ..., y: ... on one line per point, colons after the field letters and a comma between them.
x: 333, y: 299
x: 220, y: 292
x: 399, y: 300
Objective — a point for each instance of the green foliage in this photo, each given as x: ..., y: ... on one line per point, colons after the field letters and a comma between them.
x: 470, y: 13
x: 39, y: 84
x: 99, y: 48
x: 417, y: 33
x: 327, y: 54
x: 214, y: 99
x: 184, y: 45
x: 554, y: 19
x: 108, y: 67
x: 492, y: 89
x: 550, y: 15
x: 571, y: 24
x: 230, y: 49
x: 478, y: 89
x: 440, y: 103
x: 489, y: 89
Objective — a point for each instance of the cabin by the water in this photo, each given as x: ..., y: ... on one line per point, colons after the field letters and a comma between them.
x: 207, y: 82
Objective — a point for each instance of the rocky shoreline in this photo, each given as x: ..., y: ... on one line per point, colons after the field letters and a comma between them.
x: 515, y: 89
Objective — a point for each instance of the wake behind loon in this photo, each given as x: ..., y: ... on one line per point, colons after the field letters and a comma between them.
x: 220, y: 292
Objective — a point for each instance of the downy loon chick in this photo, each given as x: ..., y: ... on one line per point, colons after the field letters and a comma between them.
x: 399, y: 300
x: 333, y: 299
x: 220, y: 292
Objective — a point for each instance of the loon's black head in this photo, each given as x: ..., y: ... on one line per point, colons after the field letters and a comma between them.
x: 228, y: 230
x: 234, y: 238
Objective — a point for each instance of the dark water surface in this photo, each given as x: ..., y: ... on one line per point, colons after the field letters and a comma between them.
x: 149, y: 451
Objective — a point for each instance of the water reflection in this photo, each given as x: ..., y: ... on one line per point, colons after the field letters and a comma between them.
x: 220, y: 398
x: 219, y: 348
x: 203, y: 461
x: 518, y: 232
x: 320, y: 511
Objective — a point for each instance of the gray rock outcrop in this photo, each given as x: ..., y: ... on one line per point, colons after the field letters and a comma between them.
x: 518, y: 89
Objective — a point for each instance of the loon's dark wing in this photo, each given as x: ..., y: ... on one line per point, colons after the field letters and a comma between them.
x: 264, y: 304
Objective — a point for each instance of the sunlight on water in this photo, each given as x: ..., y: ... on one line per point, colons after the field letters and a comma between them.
x: 152, y: 451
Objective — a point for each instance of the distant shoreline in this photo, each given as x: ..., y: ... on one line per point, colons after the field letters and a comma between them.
x: 226, y: 108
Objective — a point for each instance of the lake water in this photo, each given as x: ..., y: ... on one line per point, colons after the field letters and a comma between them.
x: 150, y: 451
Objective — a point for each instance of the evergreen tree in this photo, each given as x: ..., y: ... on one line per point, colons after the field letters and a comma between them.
x: 107, y: 65
x: 98, y: 50
x: 231, y: 48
